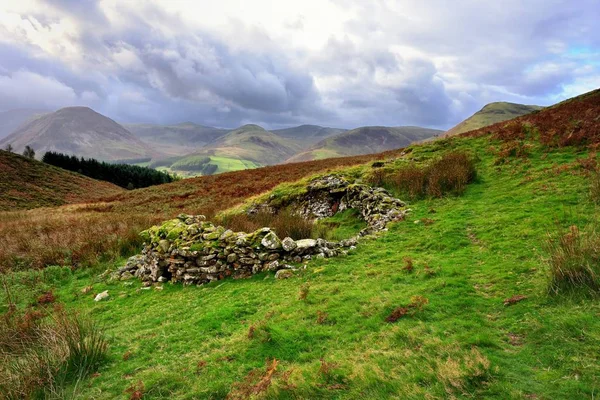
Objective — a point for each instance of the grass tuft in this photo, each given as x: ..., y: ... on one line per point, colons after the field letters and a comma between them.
x: 574, y: 259
x: 43, y: 355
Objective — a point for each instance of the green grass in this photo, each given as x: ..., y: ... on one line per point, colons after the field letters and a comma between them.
x: 343, y: 225
x: 226, y: 164
x: 478, y: 249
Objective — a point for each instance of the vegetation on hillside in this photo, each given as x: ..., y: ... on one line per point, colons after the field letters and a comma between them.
x: 27, y: 184
x: 489, y: 292
x: 124, y: 175
x: 491, y: 114
x: 452, y: 302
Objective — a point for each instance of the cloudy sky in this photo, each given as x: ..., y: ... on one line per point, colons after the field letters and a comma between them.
x: 343, y: 63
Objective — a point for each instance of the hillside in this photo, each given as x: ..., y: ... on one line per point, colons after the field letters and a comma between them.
x: 80, y: 131
x: 365, y: 140
x: 26, y: 184
x: 491, y: 114
x: 307, y: 135
x: 454, y: 301
x: 246, y: 147
x: 178, y: 139
x: 10, y: 120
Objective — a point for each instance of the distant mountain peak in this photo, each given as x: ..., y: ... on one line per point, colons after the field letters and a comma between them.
x: 80, y: 131
x: 253, y: 127
x: 490, y: 114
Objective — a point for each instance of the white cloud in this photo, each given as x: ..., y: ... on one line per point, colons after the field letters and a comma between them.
x: 340, y: 62
x: 28, y: 89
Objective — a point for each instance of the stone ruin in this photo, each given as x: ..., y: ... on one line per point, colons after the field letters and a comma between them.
x: 191, y: 250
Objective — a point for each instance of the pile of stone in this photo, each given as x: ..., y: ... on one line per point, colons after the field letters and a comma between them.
x: 331, y: 194
x: 191, y: 250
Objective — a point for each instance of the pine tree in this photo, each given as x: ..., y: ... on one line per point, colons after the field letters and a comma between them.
x: 9, y: 148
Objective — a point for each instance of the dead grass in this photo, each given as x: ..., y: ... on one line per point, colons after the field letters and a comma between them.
x: 417, y: 304
x: 255, y: 383
x: 67, y: 236
x: 449, y: 174
x: 461, y: 372
x: 284, y: 223
x: 26, y: 184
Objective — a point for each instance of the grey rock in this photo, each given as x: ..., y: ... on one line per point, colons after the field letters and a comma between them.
x: 102, y: 296
x: 304, y: 244
x: 288, y: 244
x: 271, y: 241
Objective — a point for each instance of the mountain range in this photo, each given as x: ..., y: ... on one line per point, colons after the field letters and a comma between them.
x: 190, y: 149
x: 365, y: 140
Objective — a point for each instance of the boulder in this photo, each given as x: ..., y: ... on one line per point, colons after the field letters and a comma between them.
x: 288, y: 244
x: 304, y: 244
x: 271, y: 241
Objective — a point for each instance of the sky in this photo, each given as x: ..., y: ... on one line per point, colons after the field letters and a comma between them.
x: 340, y: 63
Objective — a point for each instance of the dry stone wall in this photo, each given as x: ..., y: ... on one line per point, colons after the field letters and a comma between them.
x: 191, y: 250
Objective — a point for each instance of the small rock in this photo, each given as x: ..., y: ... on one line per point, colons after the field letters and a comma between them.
x: 284, y: 274
x: 303, y: 244
x: 163, y: 245
x: 102, y: 296
x: 288, y: 244
x: 271, y: 241
x: 272, y: 266
x: 162, y: 279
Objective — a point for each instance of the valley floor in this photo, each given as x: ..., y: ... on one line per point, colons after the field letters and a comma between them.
x: 470, y: 254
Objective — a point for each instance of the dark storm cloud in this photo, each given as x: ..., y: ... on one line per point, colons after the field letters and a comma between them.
x: 422, y: 65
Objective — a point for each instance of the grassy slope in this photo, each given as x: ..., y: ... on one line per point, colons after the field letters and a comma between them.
x: 491, y: 114
x: 26, y: 184
x: 189, y: 342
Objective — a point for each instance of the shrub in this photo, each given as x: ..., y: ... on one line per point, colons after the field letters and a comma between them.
x: 40, y: 355
x: 449, y: 174
x: 574, y: 259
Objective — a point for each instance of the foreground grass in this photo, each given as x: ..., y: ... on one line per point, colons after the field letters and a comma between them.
x: 326, y: 326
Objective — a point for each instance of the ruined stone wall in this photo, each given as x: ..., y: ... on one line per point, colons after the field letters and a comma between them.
x: 191, y: 250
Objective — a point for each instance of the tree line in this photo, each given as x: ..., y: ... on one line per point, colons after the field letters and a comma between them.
x: 124, y: 175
